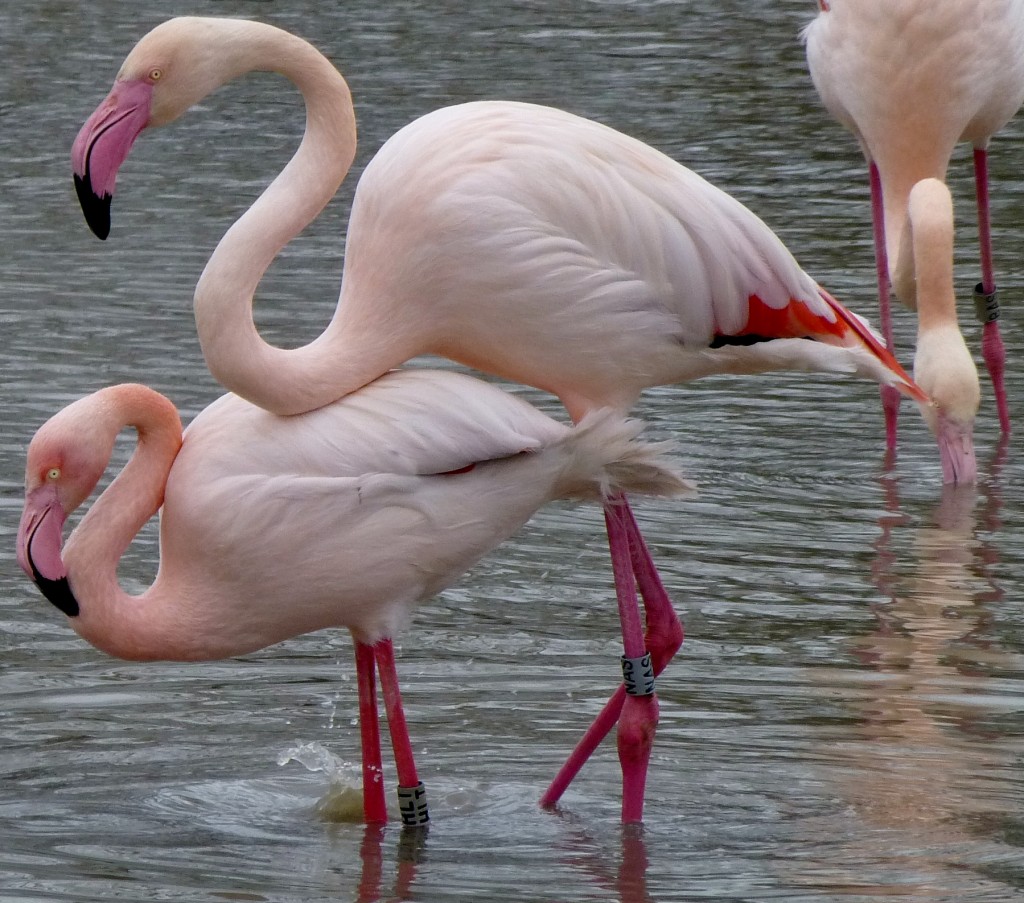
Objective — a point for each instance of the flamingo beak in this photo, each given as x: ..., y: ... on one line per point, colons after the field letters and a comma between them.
x: 102, y: 146
x: 956, y: 451
x: 40, y: 537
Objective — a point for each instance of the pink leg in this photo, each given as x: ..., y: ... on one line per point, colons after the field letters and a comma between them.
x: 662, y: 639
x: 664, y: 634
x: 639, y: 716
x: 605, y: 721
x: 890, y: 396
x: 411, y: 794
x: 374, y: 806
x: 988, y: 281
x: 988, y: 308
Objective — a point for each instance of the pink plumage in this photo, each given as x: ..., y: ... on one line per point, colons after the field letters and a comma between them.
x: 911, y: 79
x: 348, y: 516
x: 514, y: 238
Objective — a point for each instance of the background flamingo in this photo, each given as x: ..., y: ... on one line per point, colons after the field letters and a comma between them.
x: 514, y: 238
x: 271, y: 527
x: 911, y: 79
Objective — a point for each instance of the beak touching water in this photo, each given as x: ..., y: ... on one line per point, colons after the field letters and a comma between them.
x: 956, y: 451
x: 102, y: 146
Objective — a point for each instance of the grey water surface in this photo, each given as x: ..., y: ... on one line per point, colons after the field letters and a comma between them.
x: 844, y: 721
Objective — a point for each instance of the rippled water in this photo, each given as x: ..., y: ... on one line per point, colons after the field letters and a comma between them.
x: 845, y: 718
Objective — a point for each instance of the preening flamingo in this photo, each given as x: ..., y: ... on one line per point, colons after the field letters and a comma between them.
x: 911, y: 79
x: 517, y: 239
x: 271, y: 527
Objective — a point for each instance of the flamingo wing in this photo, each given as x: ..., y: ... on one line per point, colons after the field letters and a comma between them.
x: 557, y: 252
x: 408, y: 422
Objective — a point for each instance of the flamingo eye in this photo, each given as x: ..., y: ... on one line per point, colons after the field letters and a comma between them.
x: 53, y: 474
x: 155, y: 75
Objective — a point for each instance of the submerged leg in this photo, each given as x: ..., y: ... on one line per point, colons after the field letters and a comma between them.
x: 412, y: 796
x: 374, y: 805
x: 986, y: 304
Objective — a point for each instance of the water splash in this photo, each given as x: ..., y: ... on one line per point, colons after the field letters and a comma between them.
x: 343, y: 799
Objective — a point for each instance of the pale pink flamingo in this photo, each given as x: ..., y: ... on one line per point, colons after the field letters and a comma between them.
x: 911, y: 79
x: 271, y: 527
x: 517, y: 239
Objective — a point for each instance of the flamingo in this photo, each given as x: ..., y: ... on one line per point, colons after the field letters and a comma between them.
x: 270, y: 527
x: 911, y: 79
x: 514, y: 238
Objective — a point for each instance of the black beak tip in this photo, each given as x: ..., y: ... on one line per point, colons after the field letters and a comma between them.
x: 58, y: 592
x: 95, y: 207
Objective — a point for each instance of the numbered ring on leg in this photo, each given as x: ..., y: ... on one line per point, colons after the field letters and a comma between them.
x: 986, y: 306
x: 638, y: 675
x: 412, y: 803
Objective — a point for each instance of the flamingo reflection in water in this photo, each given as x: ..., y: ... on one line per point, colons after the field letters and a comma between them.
x: 922, y: 768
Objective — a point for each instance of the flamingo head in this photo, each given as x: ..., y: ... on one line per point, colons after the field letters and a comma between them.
x: 66, y: 459
x: 172, y: 68
x: 943, y: 367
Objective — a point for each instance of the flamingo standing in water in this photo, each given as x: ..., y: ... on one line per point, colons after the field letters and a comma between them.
x: 271, y: 527
x: 513, y: 238
x: 911, y: 79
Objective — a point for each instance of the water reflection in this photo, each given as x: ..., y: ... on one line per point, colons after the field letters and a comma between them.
x: 390, y: 863
x: 622, y: 873
x: 915, y: 773
x: 410, y: 850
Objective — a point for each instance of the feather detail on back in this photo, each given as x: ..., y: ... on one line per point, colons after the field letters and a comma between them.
x: 607, y: 458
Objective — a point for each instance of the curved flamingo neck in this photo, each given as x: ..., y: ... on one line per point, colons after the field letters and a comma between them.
x: 283, y: 381
x: 928, y: 231
x: 943, y: 366
x: 904, y: 158
x: 131, y: 627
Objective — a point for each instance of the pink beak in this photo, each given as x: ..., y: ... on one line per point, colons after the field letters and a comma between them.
x: 40, y: 537
x: 102, y: 146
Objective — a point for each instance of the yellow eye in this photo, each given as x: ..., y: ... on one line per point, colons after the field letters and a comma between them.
x: 53, y: 473
x: 155, y: 75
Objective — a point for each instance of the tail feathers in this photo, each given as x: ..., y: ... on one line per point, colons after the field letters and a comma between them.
x: 891, y: 373
x: 606, y: 458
